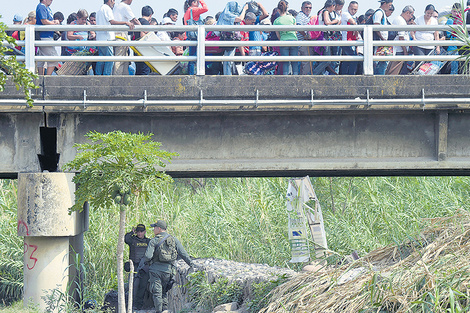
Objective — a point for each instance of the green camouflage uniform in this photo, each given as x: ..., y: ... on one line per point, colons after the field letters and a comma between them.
x: 161, y: 273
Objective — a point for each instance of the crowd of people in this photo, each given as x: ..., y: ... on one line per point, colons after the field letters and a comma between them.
x: 333, y: 12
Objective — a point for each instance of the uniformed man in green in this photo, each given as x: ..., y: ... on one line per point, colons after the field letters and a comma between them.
x: 162, y: 252
x: 138, y: 244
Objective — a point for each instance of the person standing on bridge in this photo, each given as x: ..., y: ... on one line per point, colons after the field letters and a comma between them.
x: 380, y: 18
x: 349, y: 18
x: 105, y: 16
x: 44, y: 17
x: 426, y: 19
x: 303, y: 18
x: 193, y: 11
x: 162, y: 253
x: 123, y: 13
x: 396, y: 67
x: 285, y: 19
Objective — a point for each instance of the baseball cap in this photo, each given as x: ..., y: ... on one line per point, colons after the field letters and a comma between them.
x: 159, y: 223
x: 140, y: 227
x: 167, y: 20
x: 17, y: 18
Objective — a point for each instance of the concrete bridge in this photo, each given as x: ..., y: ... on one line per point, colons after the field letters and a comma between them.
x: 251, y: 126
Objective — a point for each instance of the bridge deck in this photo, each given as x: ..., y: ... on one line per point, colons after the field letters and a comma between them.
x: 255, y: 126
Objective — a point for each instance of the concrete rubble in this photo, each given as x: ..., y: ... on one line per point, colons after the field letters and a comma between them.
x: 245, y: 274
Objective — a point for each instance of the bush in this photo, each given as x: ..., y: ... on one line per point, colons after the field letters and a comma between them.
x: 208, y: 295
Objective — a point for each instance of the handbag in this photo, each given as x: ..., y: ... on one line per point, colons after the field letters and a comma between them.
x: 384, y: 50
x: 336, y: 35
x: 192, y: 35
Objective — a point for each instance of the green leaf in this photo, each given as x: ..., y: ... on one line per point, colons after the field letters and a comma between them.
x: 13, y: 69
x: 117, y: 163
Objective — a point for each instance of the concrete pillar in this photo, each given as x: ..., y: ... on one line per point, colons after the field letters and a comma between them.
x: 49, y: 233
x: 45, y: 268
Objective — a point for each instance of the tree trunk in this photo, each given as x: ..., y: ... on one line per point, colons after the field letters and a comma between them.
x: 131, y: 287
x: 120, y: 260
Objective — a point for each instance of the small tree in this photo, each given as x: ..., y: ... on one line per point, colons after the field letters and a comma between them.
x: 461, y: 33
x: 10, y: 66
x: 114, y: 169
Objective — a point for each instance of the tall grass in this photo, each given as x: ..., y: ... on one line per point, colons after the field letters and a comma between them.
x: 368, y: 213
x: 244, y: 219
x: 11, y: 246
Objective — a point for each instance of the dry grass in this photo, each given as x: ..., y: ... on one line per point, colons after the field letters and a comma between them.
x: 430, y: 274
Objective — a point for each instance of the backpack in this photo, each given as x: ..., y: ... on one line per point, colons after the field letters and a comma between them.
x: 317, y: 33
x: 370, y: 21
x: 253, y: 7
x: 391, y: 33
x: 165, y: 251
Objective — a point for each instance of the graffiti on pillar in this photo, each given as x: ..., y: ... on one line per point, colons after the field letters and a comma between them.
x: 30, y: 249
x: 25, y: 226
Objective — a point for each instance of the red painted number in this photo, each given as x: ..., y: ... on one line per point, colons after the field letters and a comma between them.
x: 33, y: 249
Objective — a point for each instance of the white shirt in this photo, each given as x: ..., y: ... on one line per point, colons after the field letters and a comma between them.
x: 163, y: 36
x: 399, y: 20
x: 345, y: 17
x: 425, y: 35
x: 103, y: 16
x: 123, y: 12
x: 379, y: 18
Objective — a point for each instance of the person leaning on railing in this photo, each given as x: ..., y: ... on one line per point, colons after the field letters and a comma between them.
x: 105, y: 16
x: 82, y: 19
x: 123, y: 13
x: 426, y: 19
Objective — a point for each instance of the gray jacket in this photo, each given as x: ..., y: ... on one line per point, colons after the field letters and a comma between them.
x: 157, y: 266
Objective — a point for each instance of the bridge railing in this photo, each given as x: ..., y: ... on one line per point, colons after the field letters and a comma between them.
x: 368, y: 44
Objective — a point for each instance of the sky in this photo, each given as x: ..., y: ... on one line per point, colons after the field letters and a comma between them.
x: 9, y: 8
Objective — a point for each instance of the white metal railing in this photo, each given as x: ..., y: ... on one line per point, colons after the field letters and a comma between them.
x: 367, y: 43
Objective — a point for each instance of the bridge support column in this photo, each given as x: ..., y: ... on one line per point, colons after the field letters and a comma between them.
x: 442, y: 130
x: 51, y: 235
